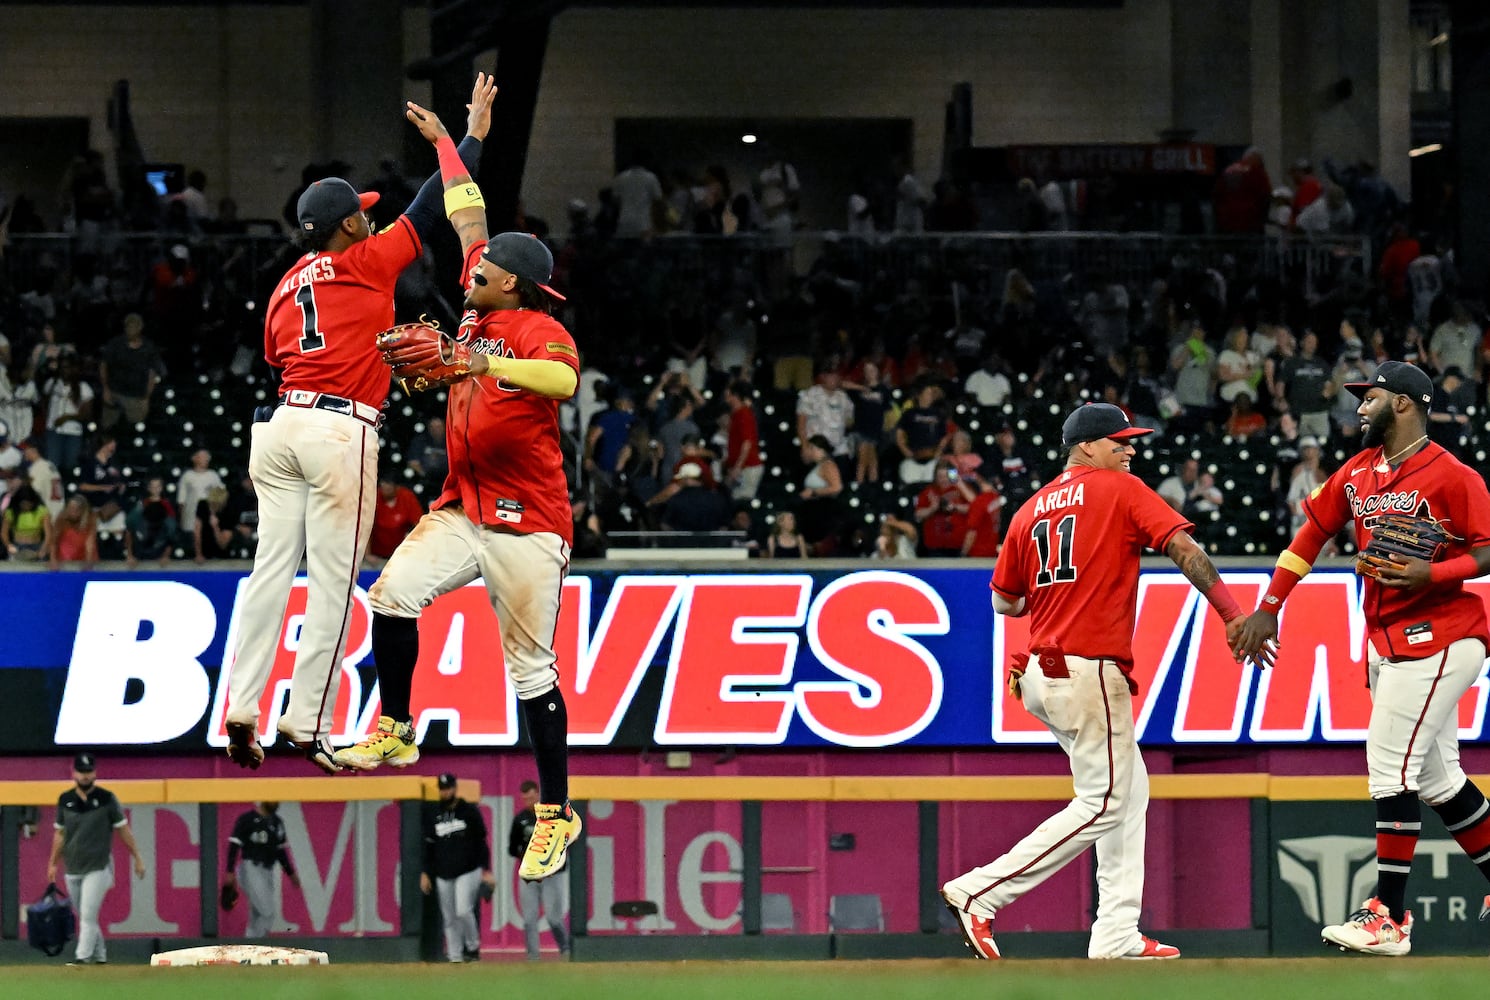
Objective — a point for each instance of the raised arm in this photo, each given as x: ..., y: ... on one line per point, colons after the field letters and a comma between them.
x: 457, y: 165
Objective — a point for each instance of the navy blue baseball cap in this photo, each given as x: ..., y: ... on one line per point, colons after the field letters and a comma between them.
x: 1095, y: 421
x: 1400, y: 378
x: 524, y: 255
x: 327, y: 202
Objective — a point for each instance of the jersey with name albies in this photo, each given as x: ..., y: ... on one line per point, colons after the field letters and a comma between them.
x: 325, y: 314
x: 1411, y: 624
x: 1072, y: 552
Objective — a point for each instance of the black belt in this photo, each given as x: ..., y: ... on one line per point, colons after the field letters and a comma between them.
x: 306, y: 399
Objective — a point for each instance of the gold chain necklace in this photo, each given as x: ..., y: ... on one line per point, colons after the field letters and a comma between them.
x: 1392, y: 460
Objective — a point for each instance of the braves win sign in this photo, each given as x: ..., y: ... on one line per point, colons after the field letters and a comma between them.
x: 872, y: 658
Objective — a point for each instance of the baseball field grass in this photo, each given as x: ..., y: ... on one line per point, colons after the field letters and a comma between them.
x: 1199, y: 979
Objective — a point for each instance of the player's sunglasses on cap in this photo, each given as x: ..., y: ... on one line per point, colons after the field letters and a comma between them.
x: 524, y: 255
x: 1095, y: 421
x: 1398, y: 378
x: 329, y: 200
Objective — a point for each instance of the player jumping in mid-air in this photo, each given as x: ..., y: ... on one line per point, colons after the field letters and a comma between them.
x: 1427, y: 637
x: 314, y: 458
x: 504, y: 515
x: 1070, y: 562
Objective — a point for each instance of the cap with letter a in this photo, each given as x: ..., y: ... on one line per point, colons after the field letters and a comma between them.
x: 1400, y: 378
x: 328, y: 201
x: 1095, y: 421
x: 524, y: 255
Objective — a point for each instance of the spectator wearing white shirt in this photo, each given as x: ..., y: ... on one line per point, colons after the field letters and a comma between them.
x: 194, y: 485
x: 1456, y: 342
x: 989, y: 385
x: 638, y: 195
x: 825, y: 409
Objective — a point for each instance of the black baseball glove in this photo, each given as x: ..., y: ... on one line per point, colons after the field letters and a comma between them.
x: 228, y: 897
x: 1405, y: 537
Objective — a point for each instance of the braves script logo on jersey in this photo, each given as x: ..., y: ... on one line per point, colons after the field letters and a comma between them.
x: 1392, y: 501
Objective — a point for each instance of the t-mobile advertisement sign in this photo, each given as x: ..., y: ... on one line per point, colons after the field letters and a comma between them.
x: 819, y: 659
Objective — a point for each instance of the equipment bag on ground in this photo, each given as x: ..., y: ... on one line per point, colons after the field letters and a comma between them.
x: 50, y: 921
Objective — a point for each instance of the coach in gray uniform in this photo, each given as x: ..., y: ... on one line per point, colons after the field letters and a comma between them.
x: 87, y: 817
x: 260, y: 835
x: 457, y: 861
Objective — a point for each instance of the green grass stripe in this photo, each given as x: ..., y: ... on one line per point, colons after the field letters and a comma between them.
x: 1197, y: 979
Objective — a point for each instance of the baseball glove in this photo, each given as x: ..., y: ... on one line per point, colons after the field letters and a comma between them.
x: 228, y: 897
x: 423, y: 356
x: 1405, y: 537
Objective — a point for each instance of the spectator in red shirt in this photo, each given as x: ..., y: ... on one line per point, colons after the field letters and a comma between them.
x: 1306, y: 187
x: 742, y: 456
x: 985, y: 513
x: 1243, y: 194
x: 394, y: 516
x: 1401, y: 250
x: 941, y: 511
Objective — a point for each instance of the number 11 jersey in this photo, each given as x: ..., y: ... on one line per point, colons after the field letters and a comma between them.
x: 1072, y: 553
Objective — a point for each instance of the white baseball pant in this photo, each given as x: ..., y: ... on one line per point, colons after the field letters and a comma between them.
x: 547, y: 895
x: 258, y: 888
x: 316, y: 475
x: 87, y: 891
x: 1091, y: 715
x: 458, y: 913
x: 524, y: 576
x: 1412, y: 744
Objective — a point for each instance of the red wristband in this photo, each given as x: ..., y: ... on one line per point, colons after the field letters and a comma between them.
x: 1282, y: 584
x: 1225, y: 605
x: 451, y: 165
x: 1454, y: 570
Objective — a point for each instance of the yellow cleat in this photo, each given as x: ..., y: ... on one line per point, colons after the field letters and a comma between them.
x: 392, y: 743
x: 557, y: 828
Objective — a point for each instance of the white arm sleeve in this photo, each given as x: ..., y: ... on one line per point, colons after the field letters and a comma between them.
x: 1004, y: 607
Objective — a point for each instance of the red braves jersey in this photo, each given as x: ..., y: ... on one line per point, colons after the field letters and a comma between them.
x: 1411, y: 624
x: 1072, y: 552
x: 505, y: 464
x: 327, y: 309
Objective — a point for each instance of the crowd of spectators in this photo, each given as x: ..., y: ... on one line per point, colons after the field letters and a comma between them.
x: 894, y: 397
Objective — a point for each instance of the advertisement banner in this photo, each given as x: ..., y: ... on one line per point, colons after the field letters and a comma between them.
x: 1324, y: 867
x: 820, y: 659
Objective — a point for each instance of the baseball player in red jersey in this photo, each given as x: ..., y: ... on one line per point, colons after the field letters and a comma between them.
x: 504, y: 517
x: 314, y: 458
x: 1427, y: 638
x: 1070, y: 562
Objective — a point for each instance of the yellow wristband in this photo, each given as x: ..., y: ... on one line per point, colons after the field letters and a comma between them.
x: 1294, y: 563
x: 462, y: 196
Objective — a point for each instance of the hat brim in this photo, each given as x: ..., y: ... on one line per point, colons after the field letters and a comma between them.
x: 367, y: 200
x: 553, y: 293
x: 1118, y: 435
x: 1359, y: 389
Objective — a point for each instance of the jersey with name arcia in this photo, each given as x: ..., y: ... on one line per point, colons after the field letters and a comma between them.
x: 324, y: 316
x: 1072, y: 553
x: 1411, y: 624
x: 506, y: 466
